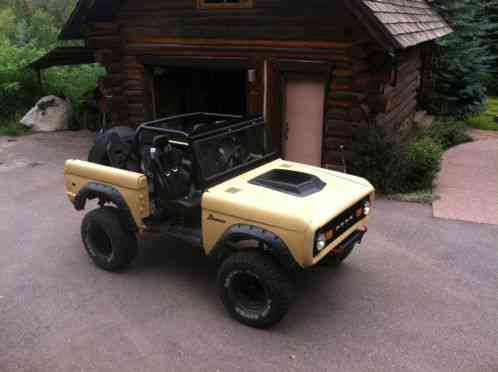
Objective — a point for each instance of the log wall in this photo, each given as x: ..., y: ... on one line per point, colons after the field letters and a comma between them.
x: 399, y: 98
x: 362, y: 86
x: 267, y: 19
x: 381, y: 90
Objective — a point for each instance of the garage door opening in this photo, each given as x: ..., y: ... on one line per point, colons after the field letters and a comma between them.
x: 178, y: 90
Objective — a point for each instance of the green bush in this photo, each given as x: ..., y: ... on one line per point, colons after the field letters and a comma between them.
x: 423, y: 162
x: 448, y: 133
x: 379, y: 157
x: 394, y: 166
x: 18, y: 87
x: 486, y: 120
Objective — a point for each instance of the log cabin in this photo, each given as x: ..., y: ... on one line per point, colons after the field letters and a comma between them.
x: 317, y: 71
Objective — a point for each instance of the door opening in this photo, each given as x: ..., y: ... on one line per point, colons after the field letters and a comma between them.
x: 302, y: 129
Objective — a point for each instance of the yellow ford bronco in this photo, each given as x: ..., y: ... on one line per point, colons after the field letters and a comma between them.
x: 215, y: 182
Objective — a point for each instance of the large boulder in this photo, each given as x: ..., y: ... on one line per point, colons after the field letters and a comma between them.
x: 50, y: 113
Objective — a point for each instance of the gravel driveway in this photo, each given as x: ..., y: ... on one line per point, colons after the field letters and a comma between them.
x: 421, y: 294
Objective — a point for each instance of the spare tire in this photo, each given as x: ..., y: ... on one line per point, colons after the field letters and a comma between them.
x: 98, y: 152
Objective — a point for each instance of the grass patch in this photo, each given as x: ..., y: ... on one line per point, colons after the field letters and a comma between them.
x: 486, y: 120
x: 12, y: 129
x: 422, y: 197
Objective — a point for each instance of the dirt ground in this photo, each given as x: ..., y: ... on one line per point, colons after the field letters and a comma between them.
x: 419, y: 295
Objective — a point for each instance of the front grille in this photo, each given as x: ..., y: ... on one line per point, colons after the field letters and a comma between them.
x: 343, y: 222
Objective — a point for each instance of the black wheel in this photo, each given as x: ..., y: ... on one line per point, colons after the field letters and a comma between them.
x: 108, y: 243
x: 335, y: 258
x: 254, y: 289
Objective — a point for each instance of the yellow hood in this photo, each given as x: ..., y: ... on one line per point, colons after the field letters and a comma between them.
x: 239, y: 198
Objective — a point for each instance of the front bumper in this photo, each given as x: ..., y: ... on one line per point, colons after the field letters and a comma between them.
x: 348, y: 244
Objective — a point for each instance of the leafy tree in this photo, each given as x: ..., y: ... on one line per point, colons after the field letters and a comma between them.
x: 58, y: 9
x: 41, y: 30
x: 461, y: 67
x: 28, y: 29
x: 7, y: 24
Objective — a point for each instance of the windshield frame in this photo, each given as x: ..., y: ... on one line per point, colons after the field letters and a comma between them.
x: 217, y: 178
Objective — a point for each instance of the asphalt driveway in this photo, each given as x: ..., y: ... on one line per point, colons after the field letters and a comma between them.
x: 421, y: 294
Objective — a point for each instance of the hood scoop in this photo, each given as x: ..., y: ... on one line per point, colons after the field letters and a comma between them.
x: 290, y: 182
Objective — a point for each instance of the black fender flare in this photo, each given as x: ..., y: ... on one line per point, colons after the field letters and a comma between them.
x: 106, y: 194
x: 272, y: 245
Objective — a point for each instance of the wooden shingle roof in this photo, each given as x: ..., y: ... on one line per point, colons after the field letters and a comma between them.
x: 396, y: 24
x: 408, y: 22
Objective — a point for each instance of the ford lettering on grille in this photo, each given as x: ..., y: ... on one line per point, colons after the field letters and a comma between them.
x: 344, y: 221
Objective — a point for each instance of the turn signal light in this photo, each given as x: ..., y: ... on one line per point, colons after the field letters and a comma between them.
x: 359, y: 212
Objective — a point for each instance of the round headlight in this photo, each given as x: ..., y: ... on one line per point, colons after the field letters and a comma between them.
x: 321, y: 242
x: 366, y: 208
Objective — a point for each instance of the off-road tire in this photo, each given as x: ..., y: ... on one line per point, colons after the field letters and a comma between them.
x: 108, y: 243
x: 277, y: 288
x: 98, y: 152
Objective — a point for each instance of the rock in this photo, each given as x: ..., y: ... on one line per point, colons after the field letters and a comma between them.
x: 50, y: 114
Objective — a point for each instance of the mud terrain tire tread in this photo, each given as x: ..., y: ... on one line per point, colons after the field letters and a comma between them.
x: 279, y: 287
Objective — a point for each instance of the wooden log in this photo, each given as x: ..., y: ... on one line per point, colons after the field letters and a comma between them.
x: 103, y: 42
x: 133, y: 67
x: 222, y: 42
x: 399, y: 115
x: 337, y: 113
x: 112, y: 80
x: 403, y: 81
x: 137, y: 108
x: 130, y: 59
x: 104, y: 57
x: 335, y: 86
x: 118, y: 102
x: 133, y: 84
x: 342, y: 104
x: 134, y: 93
x: 396, y: 100
x: 369, y: 82
x: 101, y: 29
x: 389, y: 101
x: 114, y: 68
x: 134, y: 75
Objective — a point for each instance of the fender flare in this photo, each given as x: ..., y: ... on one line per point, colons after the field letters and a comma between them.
x: 106, y: 194
x: 272, y: 245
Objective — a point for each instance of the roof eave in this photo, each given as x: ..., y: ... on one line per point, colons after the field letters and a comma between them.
x: 372, y: 24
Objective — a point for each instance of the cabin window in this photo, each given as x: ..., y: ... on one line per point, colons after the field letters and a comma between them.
x: 224, y: 4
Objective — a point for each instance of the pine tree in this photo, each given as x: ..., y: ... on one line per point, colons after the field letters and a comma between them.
x: 491, y: 42
x: 461, y: 66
